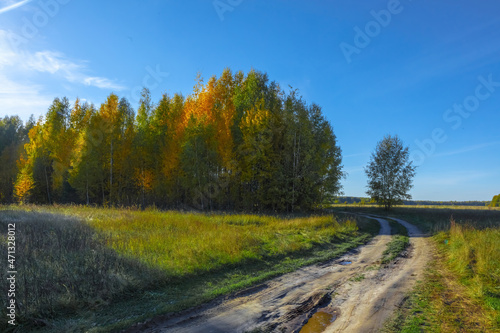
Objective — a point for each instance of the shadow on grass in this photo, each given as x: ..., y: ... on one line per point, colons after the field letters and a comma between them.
x: 69, y: 281
x: 63, y: 268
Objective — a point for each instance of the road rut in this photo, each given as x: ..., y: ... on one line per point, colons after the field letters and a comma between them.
x: 353, y: 288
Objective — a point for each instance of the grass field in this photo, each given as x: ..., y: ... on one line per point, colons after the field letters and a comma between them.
x: 461, y: 290
x: 97, y: 270
x: 433, y: 207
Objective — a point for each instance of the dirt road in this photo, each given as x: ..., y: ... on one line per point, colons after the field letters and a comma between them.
x: 351, y: 289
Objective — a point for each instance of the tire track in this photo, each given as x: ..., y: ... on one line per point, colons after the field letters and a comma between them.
x: 284, y: 304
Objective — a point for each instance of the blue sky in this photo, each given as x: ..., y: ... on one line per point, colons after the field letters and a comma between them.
x: 428, y: 71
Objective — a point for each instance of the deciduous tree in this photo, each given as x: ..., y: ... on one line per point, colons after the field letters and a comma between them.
x: 495, y: 202
x: 390, y: 173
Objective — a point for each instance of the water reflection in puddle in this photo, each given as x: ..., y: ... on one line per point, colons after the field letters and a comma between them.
x: 318, y: 322
x: 345, y: 262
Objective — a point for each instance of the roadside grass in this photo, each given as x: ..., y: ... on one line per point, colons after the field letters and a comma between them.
x: 441, y: 303
x: 99, y: 270
x: 461, y: 288
x: 415, y: 315
x: 398, y: 243
x: 473, y: 258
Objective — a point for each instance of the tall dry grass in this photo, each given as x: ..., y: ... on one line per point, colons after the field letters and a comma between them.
x: 473, y: 255
x: 75, y: 261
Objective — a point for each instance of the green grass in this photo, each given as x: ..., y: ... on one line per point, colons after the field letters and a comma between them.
x: 473, y: 256
x: 397, y: 245
x: 98, y: 270
x: 192, y: 243
x: 63, y: 267
x: 461, y: 288
x: 432, y: 219
x: 441, y: 303
x: 413, y: 316
x: 433, y: 207
x: 399, y: 242
x: 358, y: 278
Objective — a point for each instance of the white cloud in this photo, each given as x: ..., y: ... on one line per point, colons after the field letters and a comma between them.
x: 21, y: 99
x: 51, y: 62
x: 469, y: 149
x: 10, y: 5
x: 7, y: 55
x: 56, y: 63
x: 21, y: 90
x: 103, y: 83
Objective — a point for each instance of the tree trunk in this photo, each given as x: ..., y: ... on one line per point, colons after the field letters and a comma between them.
x: 87, y: 187
x: 48, y: 186
x: 111, y: 174
x: 143, y: 191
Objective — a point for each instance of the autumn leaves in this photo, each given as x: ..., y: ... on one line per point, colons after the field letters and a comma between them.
x: 237, y: 142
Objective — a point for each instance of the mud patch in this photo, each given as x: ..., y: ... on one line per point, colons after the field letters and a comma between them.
x: 319, y: 321
x: 300, y: 314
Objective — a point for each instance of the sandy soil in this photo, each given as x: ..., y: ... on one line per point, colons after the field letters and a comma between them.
x: 360, y: 295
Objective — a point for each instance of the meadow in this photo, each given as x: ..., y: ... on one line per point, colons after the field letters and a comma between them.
x: 461, y: 290
x: 100, y: 269
x: 104, y: 269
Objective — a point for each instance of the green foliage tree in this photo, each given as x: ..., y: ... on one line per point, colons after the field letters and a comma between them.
x: 34, y: 180
x: 84, y: 171
x: 255, y: 156
x: 144, y: 147
x: 495, y: 202
x: 254, y: 183
x: 13, y: 136
x: 237, y: 142
x: 164, y: 123
x: 390, y: 173
x: 58, y: 141
x: 123, y: 163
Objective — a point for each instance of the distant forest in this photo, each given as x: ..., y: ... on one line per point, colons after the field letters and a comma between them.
x: 367, y: 201
x: 237, y: 142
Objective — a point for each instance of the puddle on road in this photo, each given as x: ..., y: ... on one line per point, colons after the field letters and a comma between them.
x: 345, y: 262
x: 318, y: 322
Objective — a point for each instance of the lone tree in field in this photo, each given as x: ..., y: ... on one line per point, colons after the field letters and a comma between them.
x: 390, y: 172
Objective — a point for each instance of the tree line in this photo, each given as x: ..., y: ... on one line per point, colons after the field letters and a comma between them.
x: 237, y: 142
